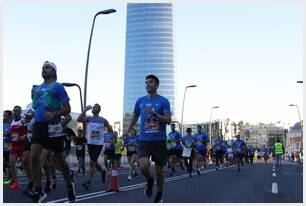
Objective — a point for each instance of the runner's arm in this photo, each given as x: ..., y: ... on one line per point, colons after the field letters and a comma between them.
x: 132, y: 123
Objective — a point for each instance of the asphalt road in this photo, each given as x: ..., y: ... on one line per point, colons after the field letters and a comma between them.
x: 253, y: 184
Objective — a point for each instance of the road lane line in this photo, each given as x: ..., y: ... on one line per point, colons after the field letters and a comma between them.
x: 274, y: 174
x: 130, y: 187
x: 274, y: 188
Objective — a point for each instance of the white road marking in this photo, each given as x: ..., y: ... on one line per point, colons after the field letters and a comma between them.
x: 274, y: 188
x: 130, y: 187
x: 274, y: 174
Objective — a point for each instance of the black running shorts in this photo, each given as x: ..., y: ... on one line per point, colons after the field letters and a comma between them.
x: 94, y: 151
x: 156, y: 149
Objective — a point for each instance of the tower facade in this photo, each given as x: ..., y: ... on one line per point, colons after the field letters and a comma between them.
x: 149, y: 50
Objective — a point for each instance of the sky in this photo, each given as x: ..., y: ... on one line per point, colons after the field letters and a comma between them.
x: 243, y: 57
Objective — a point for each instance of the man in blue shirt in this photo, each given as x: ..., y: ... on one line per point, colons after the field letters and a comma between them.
x: 238, y: 149
x: 50, y: 102
x: 154, y: 112
x: 219, y: 149
x: 251, y: 151
x: 176, y: 148
x: 201, y: 140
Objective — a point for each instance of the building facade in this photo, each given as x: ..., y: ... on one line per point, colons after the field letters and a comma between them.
x: 149, y: 50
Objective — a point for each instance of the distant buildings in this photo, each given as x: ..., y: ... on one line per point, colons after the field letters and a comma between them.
x: 259, y: 135
x: 294, y: 141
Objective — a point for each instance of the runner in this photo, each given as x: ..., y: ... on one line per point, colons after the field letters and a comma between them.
x: 109, y: 148
x: 27, y: 149
x: 118, y: 149
x: 155, y: 114
x: 7, y: 146
x: 50, y: 102
x: 258, y: 155
x: 219, y: 148
x: 238, y: 148
x: 80, y: 142
x: 265, y: 154
x: 95, y: 134
x: 188, y: 142
x: 69, y: 134
x: 176, y: 148
x: 251, y: 151
x: 201, y: 140
x: 130, y: 143
x: 18, y: 131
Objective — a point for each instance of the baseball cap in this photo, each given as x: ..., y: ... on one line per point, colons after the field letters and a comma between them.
x: 51, y: 64
x: 30, y: 112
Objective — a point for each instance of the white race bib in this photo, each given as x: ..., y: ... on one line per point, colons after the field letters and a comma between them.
x: 15, y: 136
x: 55, y: 130
x: 186, y: 152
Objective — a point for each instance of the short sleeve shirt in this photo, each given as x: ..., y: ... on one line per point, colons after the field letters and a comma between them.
x: 201, y: 141
x: 131, y: 143
x: 59, y: 93
x: 174, y: 137
x: 188, y: 140
x: 150, y: 128
x: 238, y: 146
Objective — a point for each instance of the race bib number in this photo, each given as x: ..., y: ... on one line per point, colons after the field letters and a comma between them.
x: 188, y: 144
x: 55, y: 130
x: 173, y: 143
x: 15, y: 136
x: 95, y: 134
x: 186, y: 152
x: 151, y: 125
x: 107, y: 144
x: 79, y: 147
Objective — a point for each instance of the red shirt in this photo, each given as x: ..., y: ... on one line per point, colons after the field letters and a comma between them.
x: 18, y: 129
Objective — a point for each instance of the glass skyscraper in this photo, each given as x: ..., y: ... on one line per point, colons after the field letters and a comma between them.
x: 149, y: 50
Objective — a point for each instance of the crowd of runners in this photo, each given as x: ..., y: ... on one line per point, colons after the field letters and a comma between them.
x: 40, y: 139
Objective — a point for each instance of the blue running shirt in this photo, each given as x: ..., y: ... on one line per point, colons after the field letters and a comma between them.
x: 238, y: 146
x: 150, y: 128
x: 174, y: 136
x: 201, y: 140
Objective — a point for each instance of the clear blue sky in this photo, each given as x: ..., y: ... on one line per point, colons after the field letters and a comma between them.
x: 244, y: 57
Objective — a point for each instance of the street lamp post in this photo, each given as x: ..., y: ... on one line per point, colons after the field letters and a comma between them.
x: 82, y: 107
x: 108, y: 11
x: 215, y: 107
x: 190, y: 86
x: 72, y: 85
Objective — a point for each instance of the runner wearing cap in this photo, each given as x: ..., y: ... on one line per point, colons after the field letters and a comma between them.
x: 188, y: 152
x: 50, y: 102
